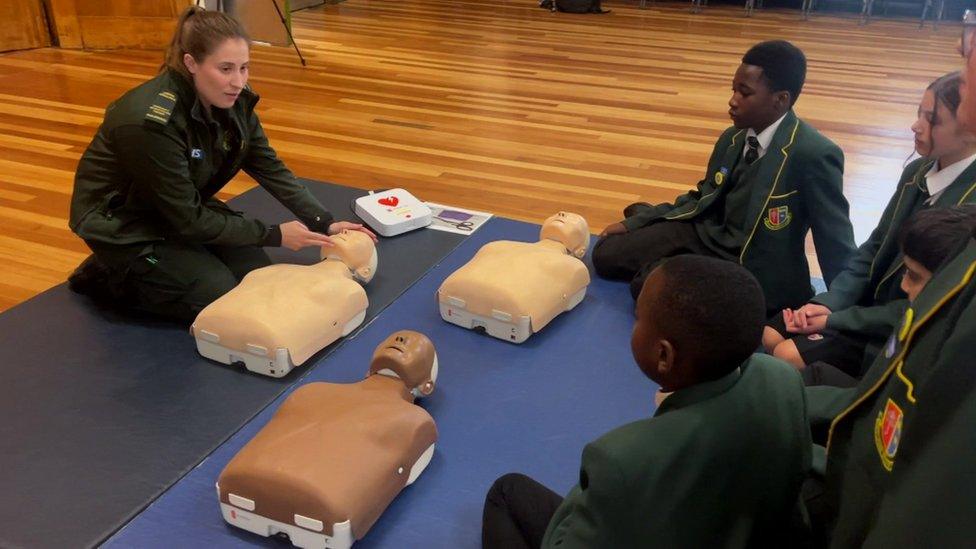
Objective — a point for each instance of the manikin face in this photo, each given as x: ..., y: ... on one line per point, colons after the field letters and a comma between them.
x: 570, y: 229
x: 410, y: 356
x: 220, y: 76
x: 937, y: 132
x: 357, y: 251
x: 752, y: 104
x: 915, y: 278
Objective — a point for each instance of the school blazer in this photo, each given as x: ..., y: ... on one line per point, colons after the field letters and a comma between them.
x: 719, y: 465
x: 867, y: 297
x: 797, y: 187
x: 919, y: 403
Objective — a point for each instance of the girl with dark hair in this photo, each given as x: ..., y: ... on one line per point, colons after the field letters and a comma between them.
x: 847, y: 325
x: 145, y: 190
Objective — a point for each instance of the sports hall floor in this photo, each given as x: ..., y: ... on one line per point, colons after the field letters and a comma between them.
x: 489, y: 104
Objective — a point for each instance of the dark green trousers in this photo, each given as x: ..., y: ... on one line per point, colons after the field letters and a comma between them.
x: 175, y: 279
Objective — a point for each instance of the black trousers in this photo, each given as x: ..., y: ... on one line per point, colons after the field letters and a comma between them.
x: 517, y: 513
x: 822, y: 373
x: 633, y: 255
x: 175, y: 279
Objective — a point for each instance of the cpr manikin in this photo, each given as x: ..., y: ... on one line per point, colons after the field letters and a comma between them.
x: 334, y: 456
x: 280, y: 315
x: 513, y: 289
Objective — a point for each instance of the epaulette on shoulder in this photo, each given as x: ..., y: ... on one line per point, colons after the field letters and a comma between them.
x: 162, y: 108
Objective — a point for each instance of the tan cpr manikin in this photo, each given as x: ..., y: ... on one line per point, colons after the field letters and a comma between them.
x: 334, y: 456
x: 513, y: 289
x: 280, y: 315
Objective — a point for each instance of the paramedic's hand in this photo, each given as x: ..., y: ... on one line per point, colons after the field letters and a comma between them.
x: 295, y: 236
x: 615, y: 228
x: 340, y: 226
x: 798, y: 322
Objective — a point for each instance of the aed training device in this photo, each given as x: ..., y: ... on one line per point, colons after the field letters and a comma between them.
x: 393, y: 212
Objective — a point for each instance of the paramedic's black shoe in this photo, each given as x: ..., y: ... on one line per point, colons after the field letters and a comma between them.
x: 636, y: 208
x: 91, y: 278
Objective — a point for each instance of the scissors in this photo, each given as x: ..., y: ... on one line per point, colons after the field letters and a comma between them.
x: 460, y: 225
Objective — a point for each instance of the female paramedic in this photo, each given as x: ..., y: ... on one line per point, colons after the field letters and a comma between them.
x: 144, y: 194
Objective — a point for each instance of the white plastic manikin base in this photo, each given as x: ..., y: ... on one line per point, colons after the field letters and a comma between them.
x: 274, y: 363
x: 393, y: 212
x: 306, y: 532
x: 501, y: 324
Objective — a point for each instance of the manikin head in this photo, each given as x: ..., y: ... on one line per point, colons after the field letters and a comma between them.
x: 570, y: 229
x: 357, y: 251
x: 682, y: 334
x: 409, y: 356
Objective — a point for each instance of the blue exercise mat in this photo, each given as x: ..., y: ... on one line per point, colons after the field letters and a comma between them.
x: 499, y: 407
x: 103, y: 411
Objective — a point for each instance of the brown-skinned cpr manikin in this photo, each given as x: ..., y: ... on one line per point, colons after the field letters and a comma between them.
x: 514, y: 289
x: 334, y: 456
x: 280, y: 315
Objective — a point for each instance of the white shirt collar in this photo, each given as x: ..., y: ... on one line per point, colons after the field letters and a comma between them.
x: 765, y: 137
x: 938, y: 180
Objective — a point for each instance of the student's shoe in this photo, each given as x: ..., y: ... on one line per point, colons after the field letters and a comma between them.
x: 91, y: 278
x: 636, y: 208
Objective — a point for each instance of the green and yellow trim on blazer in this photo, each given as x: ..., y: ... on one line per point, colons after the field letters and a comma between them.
x: 797, y: 187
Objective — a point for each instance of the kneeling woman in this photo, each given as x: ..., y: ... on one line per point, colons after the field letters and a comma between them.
x: 144, y: 195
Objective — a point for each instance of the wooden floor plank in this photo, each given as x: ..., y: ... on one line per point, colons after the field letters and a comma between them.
x: 488, y: 104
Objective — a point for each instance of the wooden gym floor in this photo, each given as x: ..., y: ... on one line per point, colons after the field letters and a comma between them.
x: 495, y: 105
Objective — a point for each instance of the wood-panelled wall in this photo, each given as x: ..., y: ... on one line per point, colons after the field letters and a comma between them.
x: 105, y: 24
x: 23, y: 25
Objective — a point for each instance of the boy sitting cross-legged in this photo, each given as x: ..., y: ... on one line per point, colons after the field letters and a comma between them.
x: 721, y: 461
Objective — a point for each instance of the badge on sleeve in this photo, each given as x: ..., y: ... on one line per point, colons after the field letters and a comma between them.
x: 887, y: 433
x: 196, y: 153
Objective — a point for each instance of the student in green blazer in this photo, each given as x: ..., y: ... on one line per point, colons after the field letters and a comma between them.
x: 711, y: 468
x: 770, y: 179
x: 900, y: 447
x: 865, y: 302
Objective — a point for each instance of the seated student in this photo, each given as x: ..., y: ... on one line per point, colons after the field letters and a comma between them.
x: 925, y: 240
x: 900, y: 448
x: 865, y: 302
x: 770, y: 179
x: 711, y: 468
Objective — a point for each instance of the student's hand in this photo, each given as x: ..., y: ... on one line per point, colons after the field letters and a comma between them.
x: 813, y: 325
x: 615, y: 228
x: 806, y: 313
x: 799, y: 322
x: 340, y: 226
x: 295, y: 236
